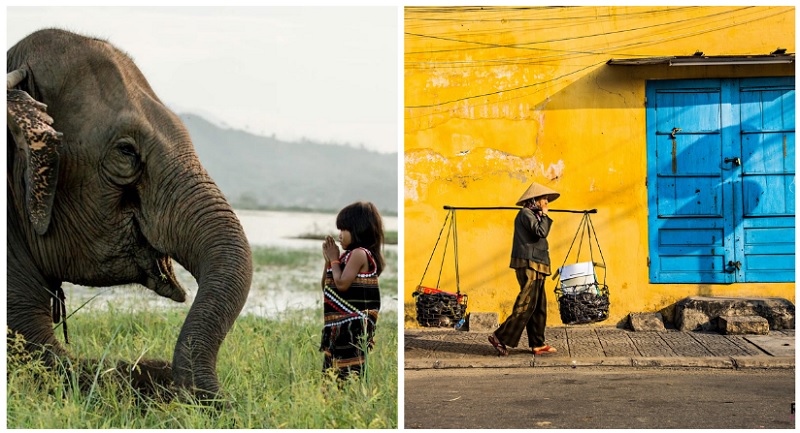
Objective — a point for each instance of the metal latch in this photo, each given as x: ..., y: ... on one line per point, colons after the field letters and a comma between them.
x: 734, y: 266
x: 736, y: 161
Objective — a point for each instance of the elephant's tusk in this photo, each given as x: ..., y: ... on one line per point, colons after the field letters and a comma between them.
x: 13, y: 78
x: 161, y: 272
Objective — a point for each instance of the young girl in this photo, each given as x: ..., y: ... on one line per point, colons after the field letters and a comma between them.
x: 350, y: 288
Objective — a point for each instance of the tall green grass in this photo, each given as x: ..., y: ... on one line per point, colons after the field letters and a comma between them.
x: 269, y: 369
x: 282, y: 257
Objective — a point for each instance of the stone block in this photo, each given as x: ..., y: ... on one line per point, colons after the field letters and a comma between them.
x: 744, y: 325
x: 702, y: 312
x: 693, y: 320
x: 668, y: 314
x: 482, y: 322
x: 647, y: 322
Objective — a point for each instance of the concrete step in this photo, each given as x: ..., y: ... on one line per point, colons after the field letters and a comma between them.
x: 703, y: 312
x: 482, y: 322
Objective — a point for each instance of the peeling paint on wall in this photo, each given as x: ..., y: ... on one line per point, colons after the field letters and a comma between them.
x: 465, y: 142
x: 556, y: 170
x: 424, y: 167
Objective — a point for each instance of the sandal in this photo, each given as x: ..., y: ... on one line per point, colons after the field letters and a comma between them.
x: 543, y: 349
x: 500, y: 347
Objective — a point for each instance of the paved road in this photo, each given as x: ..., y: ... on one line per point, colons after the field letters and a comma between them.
x: 599, y: 397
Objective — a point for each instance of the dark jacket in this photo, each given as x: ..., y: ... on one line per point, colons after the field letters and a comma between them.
x: 530, y: 237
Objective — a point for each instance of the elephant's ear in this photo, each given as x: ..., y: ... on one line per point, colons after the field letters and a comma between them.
x: 29, y: 124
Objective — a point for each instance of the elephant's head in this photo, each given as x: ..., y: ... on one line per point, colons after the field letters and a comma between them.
x: 114, y: 196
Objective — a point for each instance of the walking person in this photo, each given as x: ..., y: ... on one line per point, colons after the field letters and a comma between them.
x: 530, y: 259
x: 350, y: 289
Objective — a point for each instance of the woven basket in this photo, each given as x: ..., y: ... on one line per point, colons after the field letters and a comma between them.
x: 583, y: 306
x: 437, y: 308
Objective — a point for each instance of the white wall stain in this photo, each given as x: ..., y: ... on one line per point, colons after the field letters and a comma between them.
x: 425, y: 167
x: 411, y: 189
x: 504, y: 73
x: 554, y: 171
x: 438, y: 78
x: 416, y: 181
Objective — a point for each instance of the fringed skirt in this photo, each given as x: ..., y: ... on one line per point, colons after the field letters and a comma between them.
x: 346, y: 341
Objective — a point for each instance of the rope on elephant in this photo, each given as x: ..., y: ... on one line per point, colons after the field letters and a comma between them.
x: 60, y: 310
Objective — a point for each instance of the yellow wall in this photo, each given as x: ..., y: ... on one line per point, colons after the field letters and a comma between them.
x: 497, y: 98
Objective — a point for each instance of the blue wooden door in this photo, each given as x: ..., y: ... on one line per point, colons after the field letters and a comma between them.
x: 721, y: 180
x: 766, y: 177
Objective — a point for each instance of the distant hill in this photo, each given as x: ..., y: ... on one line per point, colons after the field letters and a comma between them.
x: 256, y: 172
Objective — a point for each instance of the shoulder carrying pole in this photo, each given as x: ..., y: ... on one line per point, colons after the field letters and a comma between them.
x: 517, y: 208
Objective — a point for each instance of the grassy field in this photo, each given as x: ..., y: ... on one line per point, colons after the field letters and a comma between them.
x: 269, y: 369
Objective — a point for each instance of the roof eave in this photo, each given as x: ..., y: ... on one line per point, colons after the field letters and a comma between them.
x: 770, y: 59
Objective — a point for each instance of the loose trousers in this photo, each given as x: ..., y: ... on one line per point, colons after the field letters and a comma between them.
x: 530, y: 311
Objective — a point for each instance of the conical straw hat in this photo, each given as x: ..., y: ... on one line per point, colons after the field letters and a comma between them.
x: 536, y: 190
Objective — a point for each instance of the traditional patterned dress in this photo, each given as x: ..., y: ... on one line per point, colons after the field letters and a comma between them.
x: 350, y: 318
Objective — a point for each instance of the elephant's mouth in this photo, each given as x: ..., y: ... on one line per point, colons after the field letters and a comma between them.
x: 155, y: 269
x: 160, y: 278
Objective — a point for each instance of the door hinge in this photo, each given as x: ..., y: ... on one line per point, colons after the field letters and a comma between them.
x: 645, y: 101
x: 645, y: 181
x: 648, y: 261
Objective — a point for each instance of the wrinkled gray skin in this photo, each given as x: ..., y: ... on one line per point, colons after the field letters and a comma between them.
x: 129, y: 196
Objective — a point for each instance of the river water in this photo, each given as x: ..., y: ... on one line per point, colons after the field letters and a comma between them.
x: 270, y: 294
x: 281, y: 228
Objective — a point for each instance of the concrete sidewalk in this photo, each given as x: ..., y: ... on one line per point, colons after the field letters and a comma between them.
x: 583, y: 345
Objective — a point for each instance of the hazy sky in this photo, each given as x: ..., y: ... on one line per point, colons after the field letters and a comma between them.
x: 325, y: 73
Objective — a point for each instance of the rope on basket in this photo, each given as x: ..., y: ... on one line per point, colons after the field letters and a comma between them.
x: 585, y: 303
x: 437, y: 307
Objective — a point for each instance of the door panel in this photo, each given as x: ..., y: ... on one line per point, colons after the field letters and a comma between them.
x: 697, y: 109
x: 721, y: 180
x: 686, y: 197
x: 767, y: 181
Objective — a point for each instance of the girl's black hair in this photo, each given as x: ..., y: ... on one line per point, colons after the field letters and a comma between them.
x: 365, y: 225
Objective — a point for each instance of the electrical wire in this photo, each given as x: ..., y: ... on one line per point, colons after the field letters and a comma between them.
x: 412, y: 10
x: 525, y: 45
x: 504, y: 90
x: 607, y: 51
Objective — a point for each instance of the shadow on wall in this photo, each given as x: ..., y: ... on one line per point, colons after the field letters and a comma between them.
x: 624, y: 86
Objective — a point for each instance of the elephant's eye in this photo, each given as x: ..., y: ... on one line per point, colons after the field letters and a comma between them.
x: 123, y: 162
x: 127, y: 147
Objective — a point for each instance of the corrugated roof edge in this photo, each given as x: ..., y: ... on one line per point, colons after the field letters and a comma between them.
x: 705, y: 60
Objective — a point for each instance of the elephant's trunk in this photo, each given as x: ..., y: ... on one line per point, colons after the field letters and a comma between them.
x: 223, y: 276
x: 201, y: 232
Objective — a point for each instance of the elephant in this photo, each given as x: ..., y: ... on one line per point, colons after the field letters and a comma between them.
x: 104, y: 189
